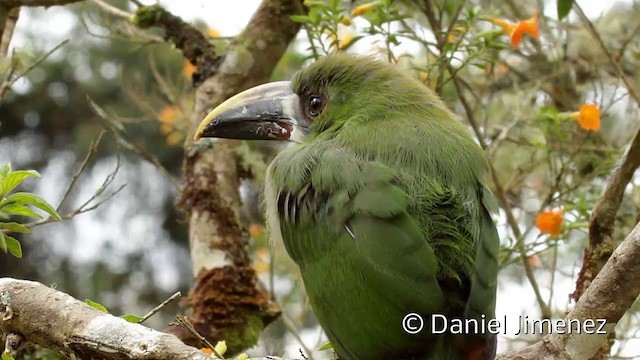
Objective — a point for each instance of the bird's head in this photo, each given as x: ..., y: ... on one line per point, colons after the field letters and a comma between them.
x: 318, y: 101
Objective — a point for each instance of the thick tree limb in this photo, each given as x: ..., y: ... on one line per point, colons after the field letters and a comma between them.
x: 608, y: 297
x: 47, y: 3
x: 226, y: 301
x: 218, y: 244
x: 53, y: 319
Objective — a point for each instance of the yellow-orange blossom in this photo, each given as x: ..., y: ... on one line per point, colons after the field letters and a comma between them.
x: 516, y: 31
x: 550, y: 222
x: 588, y: 117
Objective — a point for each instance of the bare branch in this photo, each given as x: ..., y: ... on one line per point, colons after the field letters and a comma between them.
x: 112, y: 10
x: 121, y: 135
x: 184, y: 322
x: 6, y: 29
x: 10, y: 80
x: 159, y: 307
x: 93, y: 148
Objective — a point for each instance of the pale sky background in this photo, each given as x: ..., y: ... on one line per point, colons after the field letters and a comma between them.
x: 229, y: 18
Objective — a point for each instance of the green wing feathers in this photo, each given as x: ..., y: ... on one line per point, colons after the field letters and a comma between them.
x: 376, y: 247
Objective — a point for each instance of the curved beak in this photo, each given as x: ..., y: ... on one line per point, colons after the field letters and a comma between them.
x: 267, y: 112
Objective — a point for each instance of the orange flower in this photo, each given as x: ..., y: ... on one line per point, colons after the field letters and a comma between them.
x: 213, y: 33
x: 262, y: 264
x: 188, y: 69
x: 455, y: 33
x: 550, y: 222
x: 363, y: 9
x: 206, y: 351
x: 588, y: 117
x: 169, y: 114
x: 516, y: 31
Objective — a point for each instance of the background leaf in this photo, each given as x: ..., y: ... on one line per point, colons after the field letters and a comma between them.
x: 19, y: 210
x: 132, y: 318
x: 15, y: 227
x: 13, y: 245
x: 35, y: 200
x: 12, y: 179
x: 97, y: 306
x: 564, y: 8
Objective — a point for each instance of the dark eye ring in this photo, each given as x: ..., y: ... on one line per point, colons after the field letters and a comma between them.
x: 316, y: 103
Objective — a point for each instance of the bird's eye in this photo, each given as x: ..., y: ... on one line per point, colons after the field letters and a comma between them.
x: 314, y: 106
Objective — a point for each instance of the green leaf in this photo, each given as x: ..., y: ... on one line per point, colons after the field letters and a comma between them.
x: 7, y: 357
x: 35, y: 200
x: 3, y: 242
x: 97, y: 306
x: 300, y: 19
x: 22, y: 58
x: 13, y: 246
x: 326, y: 346
x: 15, y: 227
x: 4, y: 171
x: 5, y: 66
x: 19, y: 210
x: 564, y: 8
x: 132, y: 318
x: 12, y: 179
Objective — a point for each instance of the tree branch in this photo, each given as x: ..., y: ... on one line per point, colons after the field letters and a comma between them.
x: 55, y: 320
x: 34, y: 313
x: 239, y: 308
x: 13, y: 3
x: 194, y: 45
x: 610, y: 295
x: 8, y: 21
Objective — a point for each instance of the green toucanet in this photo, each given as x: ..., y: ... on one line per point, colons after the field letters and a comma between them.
x: 380, y: 201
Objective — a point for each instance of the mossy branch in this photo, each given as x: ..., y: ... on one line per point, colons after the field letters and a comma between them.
x: 191, y: 41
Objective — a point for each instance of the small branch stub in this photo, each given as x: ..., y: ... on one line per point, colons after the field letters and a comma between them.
x: 13, y: 343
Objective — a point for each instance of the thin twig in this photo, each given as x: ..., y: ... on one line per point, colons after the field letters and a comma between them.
x: 119, y: 132
x: 6, y: 85
x: 93, y: 148
x: 605, y: 50
x: 85, y: 206
x: 164, y: 87
x: 159, y: 307
x: 502, y: 198
x: 291, y: 327
x: 112, y: 10
x: 183, y: 322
